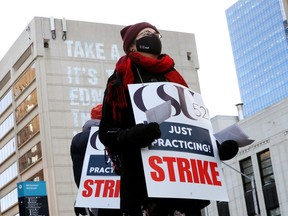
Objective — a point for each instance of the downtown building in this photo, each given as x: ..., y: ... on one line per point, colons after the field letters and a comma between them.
x: 50, y: 78
x: 257, y: 177
x: 258, y: 34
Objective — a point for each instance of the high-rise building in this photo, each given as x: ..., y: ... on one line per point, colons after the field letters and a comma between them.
x: 258, y: 34
x: 254, y: 178
x: 50, y: 78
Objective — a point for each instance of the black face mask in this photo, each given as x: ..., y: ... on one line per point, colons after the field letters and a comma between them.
x: 149, y: 44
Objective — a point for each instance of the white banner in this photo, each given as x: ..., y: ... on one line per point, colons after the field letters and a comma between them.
x: 99, y: 186
x: 184, y: 162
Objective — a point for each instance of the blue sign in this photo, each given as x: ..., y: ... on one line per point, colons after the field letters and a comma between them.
x: 32, y: 198
x: 31, y: 188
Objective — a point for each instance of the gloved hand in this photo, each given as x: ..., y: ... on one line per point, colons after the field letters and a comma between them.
x: 141, y: 135
x: 228, y: 149
x: 82, y: 211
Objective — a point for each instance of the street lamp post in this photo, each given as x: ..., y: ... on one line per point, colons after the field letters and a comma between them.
x: 254, y: 192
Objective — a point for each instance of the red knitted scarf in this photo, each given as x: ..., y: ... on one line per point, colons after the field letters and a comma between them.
x: 115, y: 93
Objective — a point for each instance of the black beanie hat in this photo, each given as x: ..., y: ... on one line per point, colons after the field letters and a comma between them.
x: 130, y: 32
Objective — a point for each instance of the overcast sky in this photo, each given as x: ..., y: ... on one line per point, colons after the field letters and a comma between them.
x: 205, y: 18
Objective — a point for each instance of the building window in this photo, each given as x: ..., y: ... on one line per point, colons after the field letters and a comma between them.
x: 250, y: 192
x: 30, y: 157
x: 189, y: 56
x: 9, y: 200
x: 268, y: 183
x: 6, y: 125
x: 274, y: 212
x: 7, y: 150
x: 7, y: 175
x: 5, y: 101
x: 39, y: 176
x: 25, y: 80
x: 26, y: 106
x: 28, y: 131
x: 5, y: 80
x: 247, y: 169
x: 223, y: 209
x: 266, y: 170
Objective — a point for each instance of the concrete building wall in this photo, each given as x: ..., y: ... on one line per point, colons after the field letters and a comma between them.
x: 68, y: 71
x: 269, y: 130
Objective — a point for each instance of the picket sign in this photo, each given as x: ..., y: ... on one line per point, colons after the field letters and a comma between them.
x: 184, y: 162
x: 99, y: 186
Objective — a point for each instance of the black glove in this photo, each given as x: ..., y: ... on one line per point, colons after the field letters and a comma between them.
x: 228, y: 149
x: 141, y: 135
x: 82, y: 211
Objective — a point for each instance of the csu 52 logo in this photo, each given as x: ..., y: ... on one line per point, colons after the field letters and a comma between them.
x: 183, y: 101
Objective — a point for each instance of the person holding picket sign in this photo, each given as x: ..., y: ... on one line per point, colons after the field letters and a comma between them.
x: 77, y: 151
x: 143, y: 63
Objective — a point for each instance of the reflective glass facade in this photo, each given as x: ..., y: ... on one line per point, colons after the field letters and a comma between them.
x: 259, y: 44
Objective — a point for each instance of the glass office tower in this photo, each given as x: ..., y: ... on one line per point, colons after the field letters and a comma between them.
x: 258, y: 34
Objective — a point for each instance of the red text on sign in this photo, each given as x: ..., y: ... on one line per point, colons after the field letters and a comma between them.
x: 101, y: 188
x: 188, y: 170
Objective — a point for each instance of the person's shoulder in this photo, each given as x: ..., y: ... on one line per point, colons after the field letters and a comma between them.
x: 80, y: 135
x: 90, y: 123
x: 113, y: 76
x: 76, y: 136
x: 115, y: 80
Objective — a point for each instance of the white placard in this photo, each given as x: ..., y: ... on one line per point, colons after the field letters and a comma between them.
x: 235, y: 133
x: 99, y: 186
x: 159, y: 113
x: 184, y: 162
